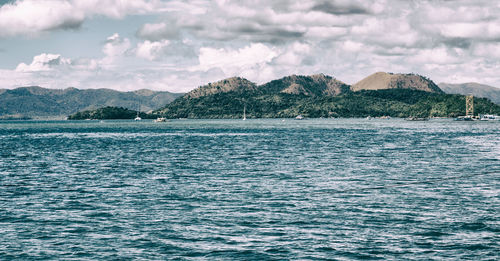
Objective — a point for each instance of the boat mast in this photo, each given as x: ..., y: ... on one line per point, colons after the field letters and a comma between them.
x: 244, y: 112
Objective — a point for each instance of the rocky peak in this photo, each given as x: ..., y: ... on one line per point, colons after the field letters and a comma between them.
x: 226, y: 85
x: 383, y: 80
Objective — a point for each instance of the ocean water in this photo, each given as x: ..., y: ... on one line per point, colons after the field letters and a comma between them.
x: 317, y: 189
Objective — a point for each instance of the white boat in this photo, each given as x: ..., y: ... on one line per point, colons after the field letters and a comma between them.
x: 245, y: 112
x: 489, y: 117
x: 161, y: 119
x: 416, y: 119
x: 299, y: 117
x: 137, y: 118
x: 465, y: 118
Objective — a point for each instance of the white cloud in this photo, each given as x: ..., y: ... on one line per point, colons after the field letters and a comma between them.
x: 158, y: 31
x: 293, y: 55
x: 116, y: 46
x: 488, y: 50
x: 31, y: 17
x: 197, y: 41
x: 440, y: 55
x: 115, y: 8
x: 43, y: 62
x: 151, y: 50
x: 234, y: 62
x: 115, y: 49
x: 471, y: 30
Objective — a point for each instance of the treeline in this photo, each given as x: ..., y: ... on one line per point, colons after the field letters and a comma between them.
x: 109, y: 113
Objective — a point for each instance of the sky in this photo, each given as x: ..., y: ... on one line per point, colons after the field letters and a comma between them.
x: 179, y: 45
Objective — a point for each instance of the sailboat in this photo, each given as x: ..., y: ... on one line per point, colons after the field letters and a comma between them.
x: 245, y: 112
x: 138, y: 118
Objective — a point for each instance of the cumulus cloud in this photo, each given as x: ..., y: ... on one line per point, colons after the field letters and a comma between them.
x: 158, y: 31
x: 123, y: 66
x: 151, y: 50
x: 273, y: 22
x: 243, y: 61
x: 43, y: 62
x: 208, y: 40
x: 340, y: 7
x: 116, y: 46
x: 31, y: 17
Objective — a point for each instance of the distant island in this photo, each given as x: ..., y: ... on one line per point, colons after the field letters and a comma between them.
x: 109, y: 113
x: 314, y: 96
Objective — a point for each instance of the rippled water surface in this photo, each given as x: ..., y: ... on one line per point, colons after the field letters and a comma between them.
x: 343, y: 189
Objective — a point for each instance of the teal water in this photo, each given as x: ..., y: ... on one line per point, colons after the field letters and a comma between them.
x: 342, y: 189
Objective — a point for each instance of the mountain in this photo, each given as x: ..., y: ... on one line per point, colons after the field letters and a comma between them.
x: 226, y: 98
x: 476, y: 89
x: 322, y: 96
x: 382, y: 81
x: 234, y: 84
x: 314, y: 85
x: 34, y: 101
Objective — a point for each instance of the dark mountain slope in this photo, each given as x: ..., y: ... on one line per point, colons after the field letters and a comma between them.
x: 41, y: 102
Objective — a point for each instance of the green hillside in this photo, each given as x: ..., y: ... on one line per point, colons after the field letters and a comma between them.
x: 314, y: 96
x: 107, y: 113
x: 392, y: 102
x: 32, y: 102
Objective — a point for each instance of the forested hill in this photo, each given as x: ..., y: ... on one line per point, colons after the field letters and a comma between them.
x: 324, y: 96
x: 392, y: 102
x: 32, y: 102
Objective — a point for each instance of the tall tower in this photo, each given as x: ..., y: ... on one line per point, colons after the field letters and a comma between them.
x: 469, y: 105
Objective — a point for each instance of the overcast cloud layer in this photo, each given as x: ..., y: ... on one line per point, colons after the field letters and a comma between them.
x: 185, y: 44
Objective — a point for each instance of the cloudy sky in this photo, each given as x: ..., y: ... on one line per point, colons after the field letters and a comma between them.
x: 179, y: 45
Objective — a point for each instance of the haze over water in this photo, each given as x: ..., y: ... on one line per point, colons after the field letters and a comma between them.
x: 250, y: 190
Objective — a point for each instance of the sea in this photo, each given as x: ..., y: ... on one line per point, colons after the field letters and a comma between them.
x: 260, y: 189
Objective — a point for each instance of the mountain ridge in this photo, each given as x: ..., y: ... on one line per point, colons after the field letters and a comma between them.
x: 476, y: 89
x: 396, y: 95
x: 36, y: 101
x: 308, y: 85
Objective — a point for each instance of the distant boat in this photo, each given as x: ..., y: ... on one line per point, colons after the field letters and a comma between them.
x: 465, y: 118
x: 489, y: 117
x: 137, y: 118
x: 416, y: 119
x: 387, y: 117
x: 245, y: 112
x: 299, y: 117
x: 161, y: 119
x: 369, y: 117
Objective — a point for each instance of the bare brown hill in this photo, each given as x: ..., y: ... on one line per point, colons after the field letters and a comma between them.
x: 382, y: 80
